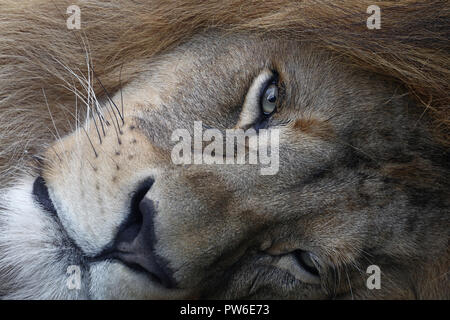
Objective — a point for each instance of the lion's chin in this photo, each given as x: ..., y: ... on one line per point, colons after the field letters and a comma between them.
x: 39, y: 261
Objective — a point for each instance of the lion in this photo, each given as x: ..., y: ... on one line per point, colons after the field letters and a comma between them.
x: 93, y: 205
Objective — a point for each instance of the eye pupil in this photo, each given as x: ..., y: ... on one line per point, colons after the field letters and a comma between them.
x: 269, y: 99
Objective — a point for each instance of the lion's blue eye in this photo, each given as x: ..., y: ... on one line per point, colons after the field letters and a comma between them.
x: 269, y: 99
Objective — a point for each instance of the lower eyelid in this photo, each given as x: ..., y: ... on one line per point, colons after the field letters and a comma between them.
x: 263, y: 124
x: 288, y: 263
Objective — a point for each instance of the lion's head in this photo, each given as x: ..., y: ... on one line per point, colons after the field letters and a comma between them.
x: 96, y: 204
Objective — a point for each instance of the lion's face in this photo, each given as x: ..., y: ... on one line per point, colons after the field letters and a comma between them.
x: 110, y: 200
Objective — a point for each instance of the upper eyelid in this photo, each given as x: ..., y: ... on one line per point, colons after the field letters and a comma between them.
x: 251, y: 111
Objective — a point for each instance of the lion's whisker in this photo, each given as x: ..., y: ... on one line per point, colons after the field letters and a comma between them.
x: 120, y: 85
x: 109, y: 97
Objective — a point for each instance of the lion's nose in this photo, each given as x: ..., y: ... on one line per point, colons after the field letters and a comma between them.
x: 135, y: 242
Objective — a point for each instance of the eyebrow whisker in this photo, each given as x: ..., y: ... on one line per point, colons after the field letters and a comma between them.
x: 120, y: 84
x: 92, y: 145
x: 109, y: 97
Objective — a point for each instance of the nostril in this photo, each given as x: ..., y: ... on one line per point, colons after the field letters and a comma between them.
x: 133, y: 223
x: 138, y: 196
x: 147, y: 238
x: 134, y: 244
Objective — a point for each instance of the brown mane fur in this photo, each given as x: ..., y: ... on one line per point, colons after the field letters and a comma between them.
x: 411, y: 46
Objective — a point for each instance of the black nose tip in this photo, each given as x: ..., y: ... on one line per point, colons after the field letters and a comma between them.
x: 135, y: 241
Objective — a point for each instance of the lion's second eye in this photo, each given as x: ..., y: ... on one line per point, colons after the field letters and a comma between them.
x: 269, y: 99
x: 308, y: 261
